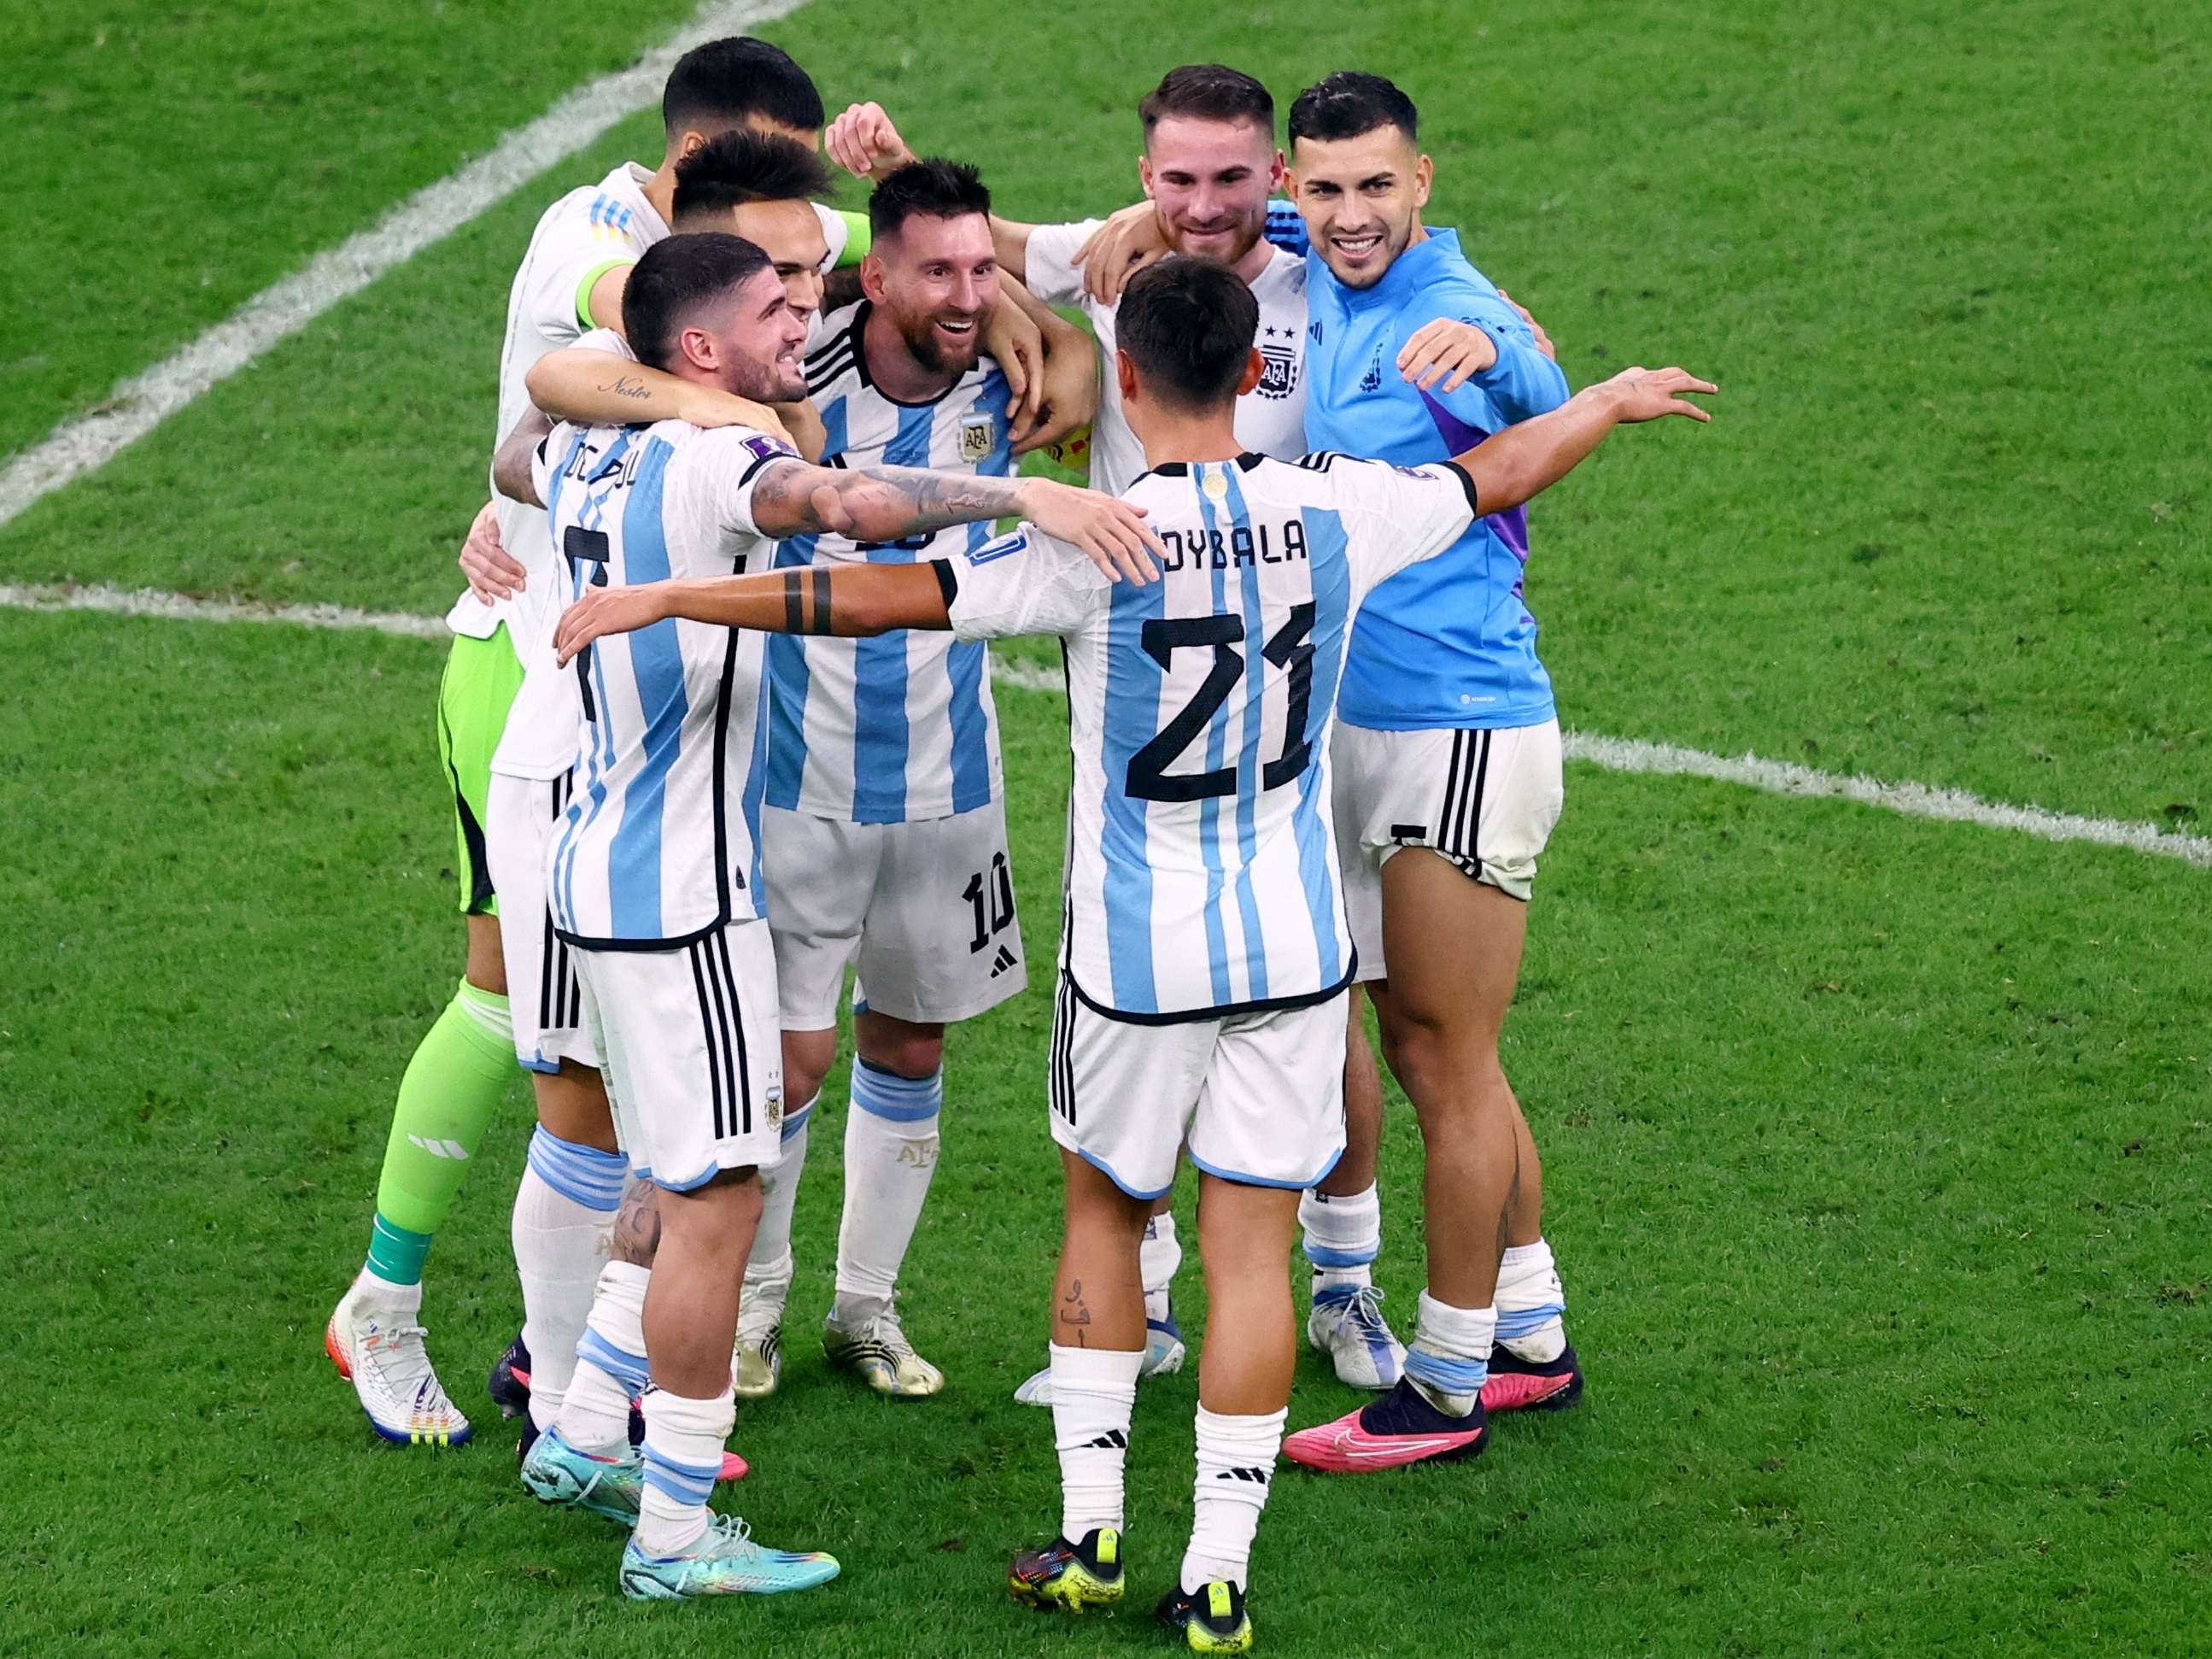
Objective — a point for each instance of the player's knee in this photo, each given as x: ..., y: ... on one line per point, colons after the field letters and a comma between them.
x: 807, y: 1058
x: 914, y: 1058
x: 900, y: 1047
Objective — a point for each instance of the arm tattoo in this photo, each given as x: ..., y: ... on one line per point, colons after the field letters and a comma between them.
x: 822, y: 622
x: 624, y: 386
x: 877, y: 503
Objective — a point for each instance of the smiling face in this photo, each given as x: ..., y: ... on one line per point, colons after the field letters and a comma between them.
x: 1210, y: 181
x: 1361, y: 199
x: 750, y: 348
x: 936, y: 279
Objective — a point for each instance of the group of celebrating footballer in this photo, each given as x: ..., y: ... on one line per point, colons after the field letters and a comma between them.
x: 719, y: 723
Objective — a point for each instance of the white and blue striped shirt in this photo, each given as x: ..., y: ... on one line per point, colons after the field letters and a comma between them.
x: 1201, y: 873
x: 659, y: 844
x: 901, y: 727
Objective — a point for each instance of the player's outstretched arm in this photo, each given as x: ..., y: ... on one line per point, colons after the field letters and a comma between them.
x: 885, y: 503
x: 598, y: 388
x: 1525, y: 459
x: 847, y: 600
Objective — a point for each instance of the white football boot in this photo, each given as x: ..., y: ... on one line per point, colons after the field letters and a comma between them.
x: 882, y: 1356
x: 374, y: 1341
x: 1347, y: 1325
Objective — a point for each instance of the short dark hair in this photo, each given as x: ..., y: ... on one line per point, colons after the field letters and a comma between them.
x: 1350, y: 104
x: 722, y: 82
x: 936, y: 187
x: 1188, y: 326
x: 677, y: 277
x: 743, y: 166
x: 1208, y: 92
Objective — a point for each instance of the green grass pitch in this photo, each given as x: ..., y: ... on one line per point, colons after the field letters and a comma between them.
x: 1870, y: 1144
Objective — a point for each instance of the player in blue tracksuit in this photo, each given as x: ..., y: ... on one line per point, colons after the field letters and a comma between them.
x: 1447, y: 764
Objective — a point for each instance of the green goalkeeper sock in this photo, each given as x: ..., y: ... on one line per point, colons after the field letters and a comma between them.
x: 453, y: 1086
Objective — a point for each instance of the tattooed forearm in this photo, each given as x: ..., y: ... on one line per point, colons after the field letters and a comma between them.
x: 877, y: 503
x: 637, y: 1225
x: 624, y: 386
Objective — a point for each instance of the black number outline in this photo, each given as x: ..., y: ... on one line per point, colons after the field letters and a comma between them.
x: 1146, y: 778
x: 1293, y: 648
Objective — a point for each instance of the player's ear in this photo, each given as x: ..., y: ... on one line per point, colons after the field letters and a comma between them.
x: 1254, y: 367
x: 1145, y: 174
x: 1125, y: 375
x: 871, y: 277
x: 1425, y: 174
x: 1279, y: 175
x: 698, y: 346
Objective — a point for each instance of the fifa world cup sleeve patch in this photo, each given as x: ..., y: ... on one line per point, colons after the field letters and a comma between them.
x: 764, y: 449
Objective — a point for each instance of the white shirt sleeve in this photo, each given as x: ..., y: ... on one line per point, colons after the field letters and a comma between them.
x: 1025, y: 583
x: 1400, y: 515
x: 1048, y: 263
x: 728, y: 461
x: 836, y: 233
x: 563, y: 270
x: 606, y: 340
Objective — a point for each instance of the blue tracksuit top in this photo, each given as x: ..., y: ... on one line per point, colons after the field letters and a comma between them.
x: 1449, y: 643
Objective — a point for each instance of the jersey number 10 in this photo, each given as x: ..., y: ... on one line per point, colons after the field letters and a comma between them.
x: 1290, y: 648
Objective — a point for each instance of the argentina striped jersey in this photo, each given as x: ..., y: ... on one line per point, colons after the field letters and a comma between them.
x: 900, y: 727
x: 1201, y: 868
x: 658, y: 842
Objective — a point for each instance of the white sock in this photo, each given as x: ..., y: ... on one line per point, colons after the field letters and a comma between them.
x: 1235, y: 1463
x: 611, y: 1369
x: 1093, y: 1392
x: 1343, y: 1235
x: 1449, y: 1359
x: 683, y: 1441
x: 1159, y: 1258
x: 1532, y: 1303
x: 780, y: 1193
x: 564, y: 1213
x: 891, y: 1153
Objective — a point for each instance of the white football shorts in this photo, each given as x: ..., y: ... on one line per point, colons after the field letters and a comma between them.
x: 926, y: 908
x: 694, y: 1059
x: 520, y: 816
x: 1486, y: 801
x: 1258, y: 1098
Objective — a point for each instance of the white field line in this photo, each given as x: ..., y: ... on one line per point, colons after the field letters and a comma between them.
x: 1615, y: 754
x: 1781, y: 778
x: 183, y: 607
x: 141, y: 403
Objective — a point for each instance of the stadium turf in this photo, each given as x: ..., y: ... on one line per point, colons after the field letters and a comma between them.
x: 1870, y: 1143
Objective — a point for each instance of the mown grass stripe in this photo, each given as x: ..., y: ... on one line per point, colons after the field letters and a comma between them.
x: 141, y: 403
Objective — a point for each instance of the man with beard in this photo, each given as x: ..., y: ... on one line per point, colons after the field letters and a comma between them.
x: 883, y: 834
x: 1448, y: 776
x: 652, y: 875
